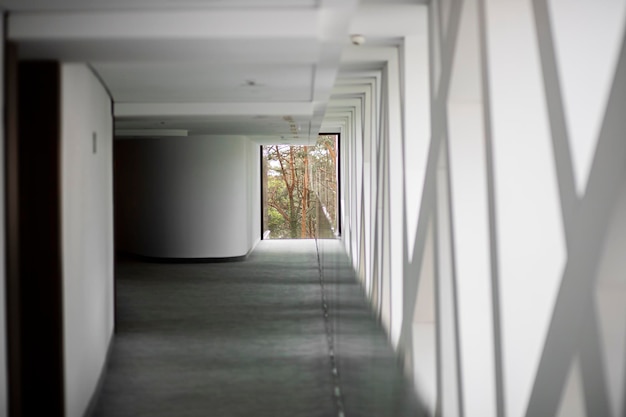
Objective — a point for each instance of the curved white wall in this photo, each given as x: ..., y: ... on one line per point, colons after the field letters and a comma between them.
x: 187, y: 197
x: 87, y: 222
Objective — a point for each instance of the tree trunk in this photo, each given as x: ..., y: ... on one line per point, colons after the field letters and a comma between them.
x: 305, y: 194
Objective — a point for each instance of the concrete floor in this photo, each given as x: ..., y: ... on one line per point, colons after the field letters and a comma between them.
x: 250, y: 339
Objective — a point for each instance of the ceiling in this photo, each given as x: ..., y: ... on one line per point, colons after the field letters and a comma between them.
x: 261, y: 68
x: 66, y: 5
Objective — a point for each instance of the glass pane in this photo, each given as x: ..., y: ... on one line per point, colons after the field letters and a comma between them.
x: 300, y: 190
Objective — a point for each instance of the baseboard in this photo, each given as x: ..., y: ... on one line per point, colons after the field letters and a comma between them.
x: 159, y: 260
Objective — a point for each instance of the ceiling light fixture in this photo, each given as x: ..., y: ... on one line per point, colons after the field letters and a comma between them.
x: 251, y: 83
x: 357, y: 39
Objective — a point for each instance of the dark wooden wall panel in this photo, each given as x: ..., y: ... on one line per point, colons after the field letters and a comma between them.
x: 12, y: 232
x: 35, y: 270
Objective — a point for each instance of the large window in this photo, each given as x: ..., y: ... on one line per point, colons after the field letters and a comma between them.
x: 300, y: 190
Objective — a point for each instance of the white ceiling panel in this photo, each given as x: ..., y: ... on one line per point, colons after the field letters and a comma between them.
x: 53, y: 5
x: 278, y: 51
x: 280, y: 127
x: 185, y: 82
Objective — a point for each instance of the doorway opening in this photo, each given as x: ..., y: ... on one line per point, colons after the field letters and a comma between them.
x: 300, y: 190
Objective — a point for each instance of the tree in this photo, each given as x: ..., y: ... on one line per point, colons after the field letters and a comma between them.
x: 293, y: 190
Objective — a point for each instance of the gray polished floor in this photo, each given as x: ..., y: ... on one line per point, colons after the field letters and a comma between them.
x: 250, y: 339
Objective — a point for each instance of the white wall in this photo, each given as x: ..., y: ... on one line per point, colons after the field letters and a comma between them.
x: 187, y: 197
x: 87, y: 227
x: 527, y: 200
x: 253, y: 165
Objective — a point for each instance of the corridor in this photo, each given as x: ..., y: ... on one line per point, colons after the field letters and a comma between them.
x: 250, y: 339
